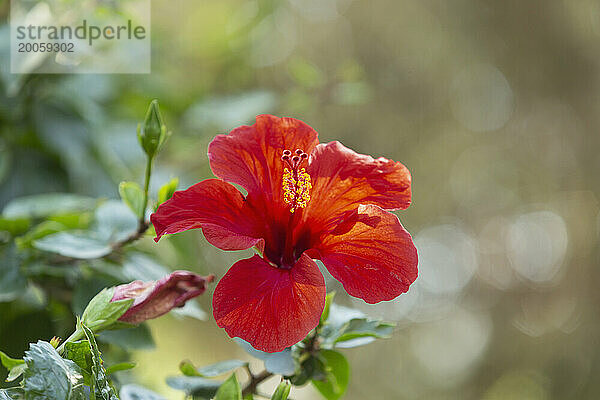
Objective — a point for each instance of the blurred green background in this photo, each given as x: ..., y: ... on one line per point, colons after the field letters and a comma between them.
x: 493, y: 106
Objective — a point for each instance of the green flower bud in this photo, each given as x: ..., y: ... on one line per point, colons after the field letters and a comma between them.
x: 153, y: 133
x: 282, y: 392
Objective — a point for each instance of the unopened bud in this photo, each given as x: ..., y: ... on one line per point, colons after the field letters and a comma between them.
x: 153, y: 133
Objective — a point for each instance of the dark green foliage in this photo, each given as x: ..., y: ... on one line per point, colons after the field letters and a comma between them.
x: 79, y: 352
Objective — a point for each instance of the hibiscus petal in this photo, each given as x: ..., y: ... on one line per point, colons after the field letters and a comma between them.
x: 251, y: 155
x: 269, y: 307
x: 342, y: 179
x: 371, y: 254
x: 215, y: 206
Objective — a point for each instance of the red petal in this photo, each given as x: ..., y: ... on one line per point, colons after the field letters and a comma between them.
x: 251, y: 155
x: 371, y: 254
x: 343, y: 179
x: 215, y: 206
x: 269, y: 307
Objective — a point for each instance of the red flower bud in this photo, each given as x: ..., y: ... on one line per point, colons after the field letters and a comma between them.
x: 155, y: 298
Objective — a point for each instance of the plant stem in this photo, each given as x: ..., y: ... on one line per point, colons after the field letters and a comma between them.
x: 142, y: 228
x: 143, y: 224
x: 146, y: 187
x: 255, y: 380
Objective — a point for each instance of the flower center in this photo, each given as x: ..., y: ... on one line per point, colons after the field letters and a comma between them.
x: 296, y: 181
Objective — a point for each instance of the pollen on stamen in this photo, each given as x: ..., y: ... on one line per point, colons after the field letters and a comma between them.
x: 303, y: 186
x: 296, y: 181
x: 289, y: 185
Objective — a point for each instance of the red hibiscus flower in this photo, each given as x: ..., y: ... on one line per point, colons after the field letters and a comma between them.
x: 305, y: 201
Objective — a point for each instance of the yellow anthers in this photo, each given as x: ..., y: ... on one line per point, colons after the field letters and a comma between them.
x: 303, y: 186
x: 296, y: 181
x: 289, y: 187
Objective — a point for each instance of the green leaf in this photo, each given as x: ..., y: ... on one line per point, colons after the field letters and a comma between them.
x: 76, y: 244
x: 43, y: 205
x: 79, y: 220
x: 337, y: 372
x: 362, y: 331
x: 347, y: 327
x: 310, y: 368
x: 166, y: 191
x: 282, y: 392
x: 133, y: 195
x: 229, y: 390
x: 12, y: 281
x: 49, y: 376
x: 115, y: 222
x: 221, y: 368
x: 340, y: 315
x: 86, y: 289
x: 100, y: 387
x: 80, y: 353
x: 124, y: 366
x: 212, y: 370
x: 16, y: 372
x: 328, y: 302
x: 15, y: 367
x: 136, y: 392
x: 8, y: 362
x: 137, y: 338
x: 15, y: 227
x: 187, y: 368
x: 195, y: 385
x: 101, y: 312
x: 44, y: 228
x: 42, y: 270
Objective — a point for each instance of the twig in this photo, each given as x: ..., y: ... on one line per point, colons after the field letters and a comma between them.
x: 142, y: 228
x: 255, y: 380
x: 143, y: 225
